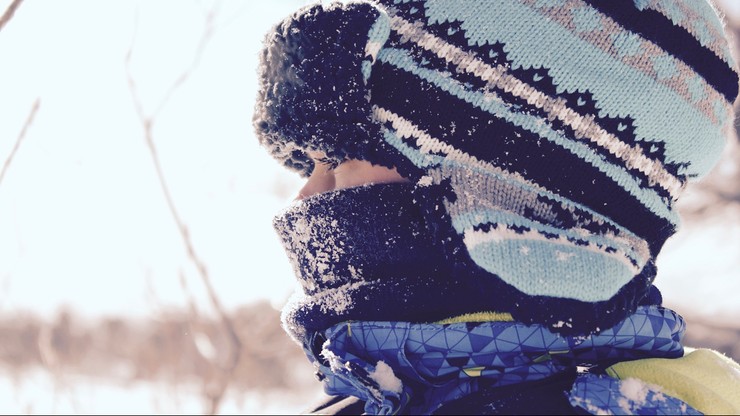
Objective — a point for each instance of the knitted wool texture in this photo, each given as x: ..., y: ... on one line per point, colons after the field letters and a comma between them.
x: 556, y: 135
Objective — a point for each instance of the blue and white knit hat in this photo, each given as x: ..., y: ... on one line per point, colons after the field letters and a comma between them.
x: 560, y: 133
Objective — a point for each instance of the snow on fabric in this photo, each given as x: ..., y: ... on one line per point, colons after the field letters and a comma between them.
x: 386, y: 379
x: 703, y: 378
x: 454, y: 358
x: 608, y: 396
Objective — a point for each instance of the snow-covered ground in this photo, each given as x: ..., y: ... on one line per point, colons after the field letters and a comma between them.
x: 39, y: 392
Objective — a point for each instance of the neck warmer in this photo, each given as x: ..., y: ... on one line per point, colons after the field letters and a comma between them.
x: 375, y: 253
x: 417, y: 368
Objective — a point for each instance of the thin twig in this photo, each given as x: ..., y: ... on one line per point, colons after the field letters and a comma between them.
x: 21, y: 136
x: 147, y: 122
x: 204, y: 41
x: 9, y: 12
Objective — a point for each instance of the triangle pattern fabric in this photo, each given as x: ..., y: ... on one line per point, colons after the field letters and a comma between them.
x: 497, y: 353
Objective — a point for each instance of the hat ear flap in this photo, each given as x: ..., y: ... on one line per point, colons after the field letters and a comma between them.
x: 313, y: 74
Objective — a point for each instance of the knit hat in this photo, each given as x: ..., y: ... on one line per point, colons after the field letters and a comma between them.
x: 557, y: 135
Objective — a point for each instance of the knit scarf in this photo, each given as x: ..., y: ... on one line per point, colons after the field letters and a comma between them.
x: 388, y: 253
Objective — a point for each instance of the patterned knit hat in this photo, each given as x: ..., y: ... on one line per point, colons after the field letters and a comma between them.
x: 558, y: 134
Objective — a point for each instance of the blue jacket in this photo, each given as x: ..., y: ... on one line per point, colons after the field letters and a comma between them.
x: 506, y: 368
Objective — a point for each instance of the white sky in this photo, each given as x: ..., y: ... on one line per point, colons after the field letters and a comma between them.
x: 82, y: 218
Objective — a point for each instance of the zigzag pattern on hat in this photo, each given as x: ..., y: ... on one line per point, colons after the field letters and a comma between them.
x: 563, y: 170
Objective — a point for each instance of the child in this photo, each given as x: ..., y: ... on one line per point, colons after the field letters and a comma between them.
x: 490, y: 184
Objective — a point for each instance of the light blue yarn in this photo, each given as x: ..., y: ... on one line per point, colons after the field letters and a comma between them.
x: 627, y: 44
x: 701, y: 31
x: 664, y: 66
x: 549, y: 3
x: 719, y: 111
x: 705, y: 10
x: 696, y: 88
x: 379, y: 33
x: 586, y: 19
x: 619, y: 88
x: 641, y: 4
x: 367, y: 67
x: 469, y: 219
x: 673, y: 12
x: 419, y: 159
x: 586, y: 276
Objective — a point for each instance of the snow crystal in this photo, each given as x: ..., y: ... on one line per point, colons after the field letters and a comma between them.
x: 335, y: 363
x: 563, y: 256
x: 302, y: 230
x: 635, y: 393
x: 339, y: 300
x: 625, y: 405
x: 356, y: 273
x: 425, y: 181
x: 314, y: 242
x: 560, y: 324
x: 590, y: 407
x: 386, y: 379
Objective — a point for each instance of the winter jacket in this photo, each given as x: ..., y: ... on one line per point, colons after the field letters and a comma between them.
x: 637, y: 367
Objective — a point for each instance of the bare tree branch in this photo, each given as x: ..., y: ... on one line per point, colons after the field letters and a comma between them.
x: 9, y: 12
x: 147, y: 122
x: 21, y: 136
x: 202, y: 44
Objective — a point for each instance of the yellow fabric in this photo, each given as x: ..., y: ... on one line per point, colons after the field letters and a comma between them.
x: 705, y: 379
x: 474, y: 371
x: 478, y: 317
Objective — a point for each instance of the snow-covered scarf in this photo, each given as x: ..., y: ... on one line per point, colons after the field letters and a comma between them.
x: 387, y: 363
x: 385, y: 253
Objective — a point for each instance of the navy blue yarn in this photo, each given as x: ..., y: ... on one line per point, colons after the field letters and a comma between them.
x: 675, y: 40
x: 490, y: 139
x: 417, y: 268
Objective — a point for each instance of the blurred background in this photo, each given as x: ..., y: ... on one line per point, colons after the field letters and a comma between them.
x: 139, y: 272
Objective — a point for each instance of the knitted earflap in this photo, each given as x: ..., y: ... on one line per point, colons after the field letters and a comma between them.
x: 313, y: 83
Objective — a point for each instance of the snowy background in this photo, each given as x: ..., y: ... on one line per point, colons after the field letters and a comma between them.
x: 102, y: 308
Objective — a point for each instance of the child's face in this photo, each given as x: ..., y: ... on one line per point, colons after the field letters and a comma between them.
x: 348, y: 174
